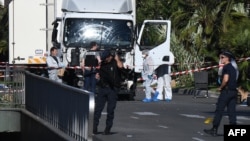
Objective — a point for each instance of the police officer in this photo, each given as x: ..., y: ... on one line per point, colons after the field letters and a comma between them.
x: 228, y: 90
x: 109, y: 80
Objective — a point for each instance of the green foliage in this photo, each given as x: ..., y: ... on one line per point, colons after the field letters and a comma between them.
x: 237, y: 38
x: 185, y: 60
x: 206, y: 27
x: 244, y: 82
x: 3, y: 30
x: 3, y: 46
x: 153, y: 9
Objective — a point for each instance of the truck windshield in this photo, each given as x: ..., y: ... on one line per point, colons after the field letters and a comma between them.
x: 107, y: 33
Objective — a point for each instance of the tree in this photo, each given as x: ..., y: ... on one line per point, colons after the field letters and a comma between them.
x: 153, y: 9
x: 3, y: 33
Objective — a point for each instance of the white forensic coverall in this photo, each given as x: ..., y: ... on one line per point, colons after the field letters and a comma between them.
x: 164, y: 79
x: 147, y: 75
x: 164, y: 82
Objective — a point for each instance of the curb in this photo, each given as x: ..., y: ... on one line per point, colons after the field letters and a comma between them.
x: 191, y: 91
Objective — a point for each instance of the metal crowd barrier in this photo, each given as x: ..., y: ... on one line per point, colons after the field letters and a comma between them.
x: 67, y: 108
x: 12, y: 92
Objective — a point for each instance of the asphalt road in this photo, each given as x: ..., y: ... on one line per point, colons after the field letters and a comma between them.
x: 182, y: 119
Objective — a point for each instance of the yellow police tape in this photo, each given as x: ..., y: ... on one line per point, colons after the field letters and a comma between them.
x: 208, y: 120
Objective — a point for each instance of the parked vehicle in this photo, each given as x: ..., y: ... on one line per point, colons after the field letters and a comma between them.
x: 3, y: 88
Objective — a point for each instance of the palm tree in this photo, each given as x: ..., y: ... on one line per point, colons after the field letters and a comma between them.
x: 237, y: 37
x: 207, y: 26
x: 193, y: 25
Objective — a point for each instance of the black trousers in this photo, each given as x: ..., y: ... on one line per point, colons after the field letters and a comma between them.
x: 109, y: 96
x: 227, y: 98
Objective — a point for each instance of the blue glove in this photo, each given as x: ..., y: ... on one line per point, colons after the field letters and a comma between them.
x: 219, y: 81
x: 149, y: 76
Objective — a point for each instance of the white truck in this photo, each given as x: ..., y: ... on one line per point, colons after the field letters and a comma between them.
x: 37, y: 25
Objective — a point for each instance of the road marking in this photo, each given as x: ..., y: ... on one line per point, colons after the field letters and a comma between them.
x: 134, y: 117
x: 161, y: 126
x: 146, y: 113
x: 192, y: 116
x: 243, y: 118
x: 213, y: 96
x: 197, y: 139
x: 243, y: 105
x: 129, y: 136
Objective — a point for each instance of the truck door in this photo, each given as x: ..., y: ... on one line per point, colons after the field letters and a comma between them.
x: 155, y: 37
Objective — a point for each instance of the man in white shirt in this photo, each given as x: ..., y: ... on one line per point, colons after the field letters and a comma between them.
x: 54, y: 64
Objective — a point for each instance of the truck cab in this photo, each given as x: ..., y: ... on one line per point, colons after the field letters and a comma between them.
x: 112, y: 24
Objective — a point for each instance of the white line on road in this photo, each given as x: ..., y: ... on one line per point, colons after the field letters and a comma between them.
x: 243, y: 118
x: 146, y: 113
x: 197, y: 139
x: 134, y: 117
x: 161, y: 126
x: 192, y: 116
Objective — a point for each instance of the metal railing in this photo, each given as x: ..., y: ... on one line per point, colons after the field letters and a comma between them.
x: 14, y: 82
x: 67, y: 108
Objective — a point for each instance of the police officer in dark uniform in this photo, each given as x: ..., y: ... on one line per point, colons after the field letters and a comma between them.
x: 228, y: 90
x: 109, y: 80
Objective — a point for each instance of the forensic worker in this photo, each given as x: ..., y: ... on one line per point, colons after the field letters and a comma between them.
x: 147, y: 75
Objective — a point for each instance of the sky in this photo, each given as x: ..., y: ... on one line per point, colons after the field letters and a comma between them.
x: 1, y: 1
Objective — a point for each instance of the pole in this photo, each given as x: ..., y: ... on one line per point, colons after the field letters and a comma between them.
x: 13, y: 42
